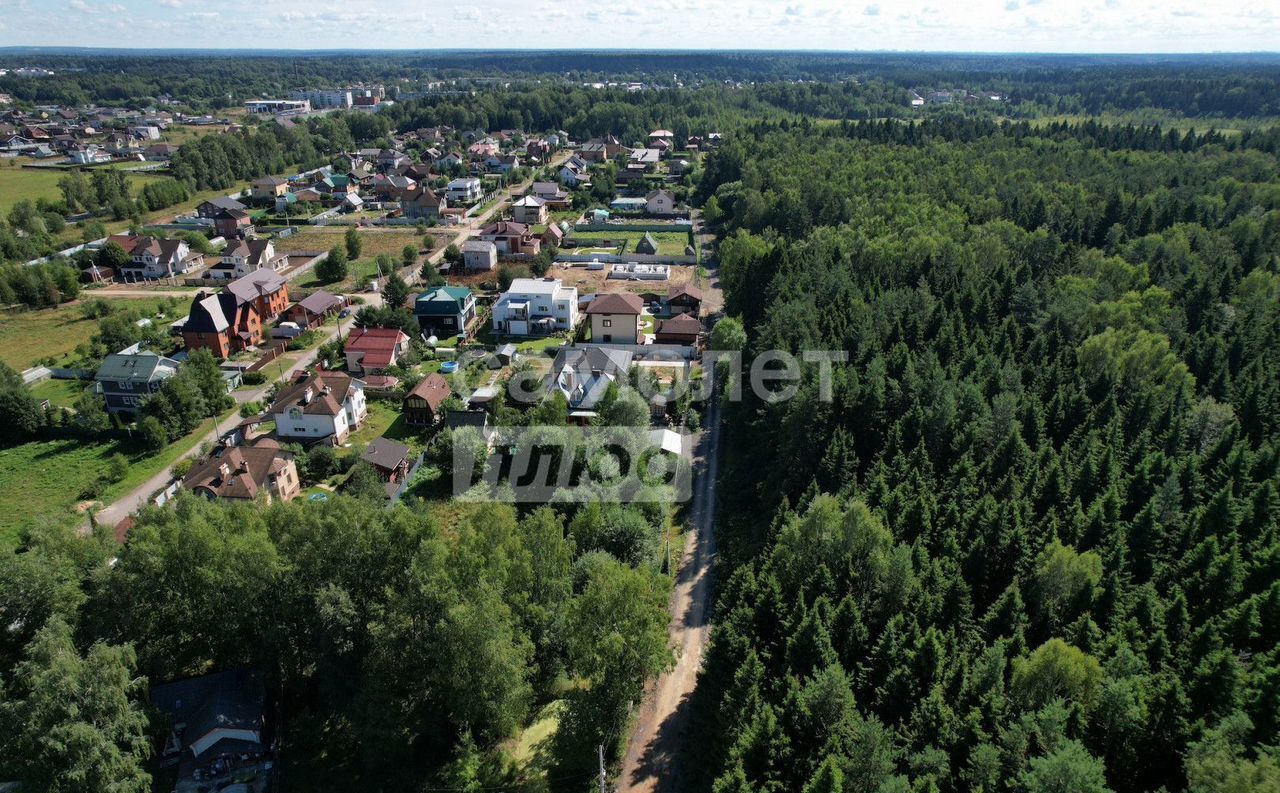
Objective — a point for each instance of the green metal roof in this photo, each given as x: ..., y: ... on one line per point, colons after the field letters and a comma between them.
x: 444, y: 301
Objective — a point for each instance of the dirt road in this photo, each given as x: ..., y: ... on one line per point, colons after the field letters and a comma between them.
x: 653, y: 757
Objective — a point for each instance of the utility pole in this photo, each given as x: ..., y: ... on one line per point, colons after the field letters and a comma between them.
x: 603, y: 776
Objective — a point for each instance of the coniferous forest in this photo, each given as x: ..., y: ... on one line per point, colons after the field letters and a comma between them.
x: 1033, y: 540
x: 1028, y: 543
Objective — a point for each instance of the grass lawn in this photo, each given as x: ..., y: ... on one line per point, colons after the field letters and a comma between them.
x: 62, y: 393
x: 384, y: 419
x: 670, y: 243
x: 30, y: 336
x: 54, y: 474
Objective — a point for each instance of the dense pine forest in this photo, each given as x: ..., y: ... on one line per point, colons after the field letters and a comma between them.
x: 1032, y: 543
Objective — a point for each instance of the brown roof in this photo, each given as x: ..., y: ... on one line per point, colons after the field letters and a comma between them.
x: 238, y: 471
x: 385, y: 453
x: 616, y: 303
x: 688, y: 291
x: 320, y: 393
x: 504, y: 228
x: 434, y: 389
x: 681, y: 324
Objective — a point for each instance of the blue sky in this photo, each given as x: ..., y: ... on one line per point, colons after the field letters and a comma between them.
x: 950, y: 25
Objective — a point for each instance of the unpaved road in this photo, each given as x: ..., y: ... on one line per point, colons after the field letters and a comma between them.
x: 653, y: 758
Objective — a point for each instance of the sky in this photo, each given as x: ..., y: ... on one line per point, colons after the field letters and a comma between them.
x: 1095, y: 26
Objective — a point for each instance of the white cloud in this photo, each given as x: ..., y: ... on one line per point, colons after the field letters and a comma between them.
x: 956, y: 25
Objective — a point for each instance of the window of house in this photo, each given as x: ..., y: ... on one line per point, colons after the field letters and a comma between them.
x: 608, y: 323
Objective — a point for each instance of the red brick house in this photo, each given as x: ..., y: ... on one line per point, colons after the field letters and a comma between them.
x: 232, y: 320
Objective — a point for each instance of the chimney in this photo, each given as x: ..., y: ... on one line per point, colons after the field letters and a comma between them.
x: 307, y: 394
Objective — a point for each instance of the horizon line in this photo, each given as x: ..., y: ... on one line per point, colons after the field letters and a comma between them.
x: 268, y: 51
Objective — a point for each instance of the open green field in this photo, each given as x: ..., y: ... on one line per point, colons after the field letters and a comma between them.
x: 670, y: 243
x: 30, y: 336
x: 17, y: 183
x: 373, y: 241
x: 51, y: 476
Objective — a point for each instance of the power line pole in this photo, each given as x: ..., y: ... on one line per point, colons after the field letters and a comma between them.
x: 603, y: 775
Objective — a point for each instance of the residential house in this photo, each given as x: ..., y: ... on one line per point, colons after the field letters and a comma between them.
x: 232, y: 320
x: 479, y: 255
x: 575, y: 172
x: 502, y: 163
x: 680, y: 329
x: 421, y: 203
x: 645, y: 159
x: 615, y: 317
x: 336, y: 185
x: 208, y: 719
x: 482, y: 150
x: 267, y: 291
x: 530, y: 210
x: 390, y: 159
x: 553, y: 236
x: 159, y: 152
x: 210, y: 209
x: 391, y: 459
x: 230, y: 223
x: 584, y: 374
x: 536, y: 307
x: 445, y: 311
x: 463, y: 191
x: 125, y: 380
x: 424, y: 405
x: 417, y: 172
x: 388, y: 186
x: 221, y: 324
x: 88, y: 155
x: 325, y: 406
x: 599, y: 150
x: 246, y: 473
x: 660, y: 202
x: 665, y: 135
x: 510, y: 238
x: 684, y: 299
x: 374, y: 350
x: 308, y: 195
x: 537, y: 148
x: 242, y: 257
x: 310, y: 312
x: 551, y: 193
x: 151, y: 258
x: 449, y: 161
x: 647, y: 245
x: 268, y: 188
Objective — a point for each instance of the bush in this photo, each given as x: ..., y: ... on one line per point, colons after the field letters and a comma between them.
x: 254, y: 378
x: 117, y: 468
x: 181, y: 468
